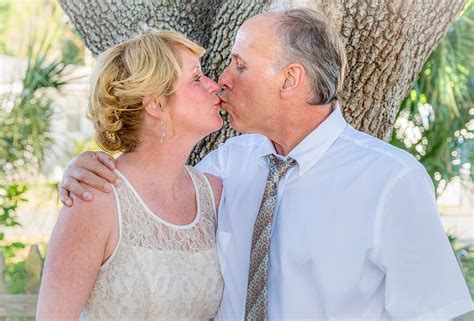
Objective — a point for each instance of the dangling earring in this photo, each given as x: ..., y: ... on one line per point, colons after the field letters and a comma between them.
x: 163, y: 132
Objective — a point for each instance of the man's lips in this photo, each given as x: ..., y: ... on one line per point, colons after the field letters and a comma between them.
x: 217, y: 104
x: 223, y: 101
x: 224, y: 106
x: 222, y: 92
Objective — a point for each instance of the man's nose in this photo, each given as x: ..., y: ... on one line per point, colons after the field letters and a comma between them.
x: 224, y: 79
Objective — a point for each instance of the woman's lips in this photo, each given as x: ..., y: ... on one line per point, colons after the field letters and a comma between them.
x: 218, y: 103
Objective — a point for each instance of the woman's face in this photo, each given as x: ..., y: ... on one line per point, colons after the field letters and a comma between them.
x: 194, y: 106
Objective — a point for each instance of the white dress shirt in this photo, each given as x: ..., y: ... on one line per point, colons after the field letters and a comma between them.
x: 356, y: 233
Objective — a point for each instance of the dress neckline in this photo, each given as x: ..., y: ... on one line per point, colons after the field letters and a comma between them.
x: 154, y: 215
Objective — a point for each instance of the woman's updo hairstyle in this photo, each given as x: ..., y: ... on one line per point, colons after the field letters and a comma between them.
x: 145, y: 66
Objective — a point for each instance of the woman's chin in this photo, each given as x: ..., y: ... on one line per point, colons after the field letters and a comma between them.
x: 217, y: 127
x: 219, y: 122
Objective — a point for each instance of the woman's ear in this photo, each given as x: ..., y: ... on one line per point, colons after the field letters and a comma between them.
x: 153, y: 107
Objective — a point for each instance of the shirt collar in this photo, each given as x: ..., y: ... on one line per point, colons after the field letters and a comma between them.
x: 313, y: 147
x: 267, y: 149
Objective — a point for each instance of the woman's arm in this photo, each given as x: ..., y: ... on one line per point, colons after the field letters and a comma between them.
x: 79, y: 244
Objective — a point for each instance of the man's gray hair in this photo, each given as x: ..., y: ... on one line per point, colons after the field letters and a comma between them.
x: 309, y: 39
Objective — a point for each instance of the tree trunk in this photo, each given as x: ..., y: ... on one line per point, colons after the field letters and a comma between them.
x: 387, y: 43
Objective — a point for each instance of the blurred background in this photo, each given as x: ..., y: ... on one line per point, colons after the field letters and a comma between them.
x: 44, y: 70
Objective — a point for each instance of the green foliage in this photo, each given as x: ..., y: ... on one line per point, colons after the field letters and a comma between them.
x: 16, y: 277
x: 435, y: 121
x: 10, y: 249
x: 25, y: 134
x: 26, y: 118
x: 70, y: 52
x: 468, y: 270
x: 11, y: 195
x: 4, y: 10
x: 18, y: 19
x: 465, y: 256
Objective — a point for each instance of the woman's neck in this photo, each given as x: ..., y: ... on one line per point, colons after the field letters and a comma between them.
x: 153, y: 161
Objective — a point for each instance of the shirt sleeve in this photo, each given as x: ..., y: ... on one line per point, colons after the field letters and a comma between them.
x: 423, y: 280
x: 215, y: 162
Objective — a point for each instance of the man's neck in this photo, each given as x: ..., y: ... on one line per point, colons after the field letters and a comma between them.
x: 297, y: 126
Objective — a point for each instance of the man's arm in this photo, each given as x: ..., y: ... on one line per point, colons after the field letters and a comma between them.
x: 215, y: 162
x: 89, y: 169
x: 423, y: 280
x: 95, y: 169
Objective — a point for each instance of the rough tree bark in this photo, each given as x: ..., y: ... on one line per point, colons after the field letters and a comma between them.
x: 387, y: 43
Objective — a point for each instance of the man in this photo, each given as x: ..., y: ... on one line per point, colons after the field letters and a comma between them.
x: 317, y: 220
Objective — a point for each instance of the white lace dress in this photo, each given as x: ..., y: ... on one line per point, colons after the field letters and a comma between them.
x: 158, y: 270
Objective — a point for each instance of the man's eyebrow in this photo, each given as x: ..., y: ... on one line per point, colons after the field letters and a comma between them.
x: 236, y: 56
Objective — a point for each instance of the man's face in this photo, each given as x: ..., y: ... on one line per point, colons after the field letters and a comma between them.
x: 251, y: 83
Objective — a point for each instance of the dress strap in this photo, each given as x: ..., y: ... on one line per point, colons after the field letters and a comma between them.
x: 204, y: 192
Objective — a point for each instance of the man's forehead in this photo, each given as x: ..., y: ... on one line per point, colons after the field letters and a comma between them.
x: 269, y: 19
x: 255, y: 35
x: 243, y: 37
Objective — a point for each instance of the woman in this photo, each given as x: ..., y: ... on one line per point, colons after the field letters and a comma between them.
x: 146, y: 251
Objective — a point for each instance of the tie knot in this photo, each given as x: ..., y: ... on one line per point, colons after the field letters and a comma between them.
x: 280, y: 166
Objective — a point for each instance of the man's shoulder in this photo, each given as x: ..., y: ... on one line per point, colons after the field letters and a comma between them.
x: 245, y: 144
x: 236, y: 149
x: 246, y: 140
x: 379, y: 150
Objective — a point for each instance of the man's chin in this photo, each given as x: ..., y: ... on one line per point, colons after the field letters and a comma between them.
x: 237, y: 126
x: 233, y: 123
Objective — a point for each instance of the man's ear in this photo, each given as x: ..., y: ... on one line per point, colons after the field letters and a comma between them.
x: 293, y: 79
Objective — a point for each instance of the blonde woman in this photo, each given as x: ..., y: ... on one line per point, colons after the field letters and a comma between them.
x: 146, y: 251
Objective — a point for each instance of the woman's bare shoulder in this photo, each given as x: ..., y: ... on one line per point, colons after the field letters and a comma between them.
x: 90, y: 217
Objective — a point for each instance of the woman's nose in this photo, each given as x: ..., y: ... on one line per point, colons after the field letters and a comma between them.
x: 211, y: 86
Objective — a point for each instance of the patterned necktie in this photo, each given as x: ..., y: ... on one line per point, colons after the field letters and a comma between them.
x: 256, y: 306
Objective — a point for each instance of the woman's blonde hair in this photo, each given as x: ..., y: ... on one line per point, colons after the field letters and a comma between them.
x: 145, y: 66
